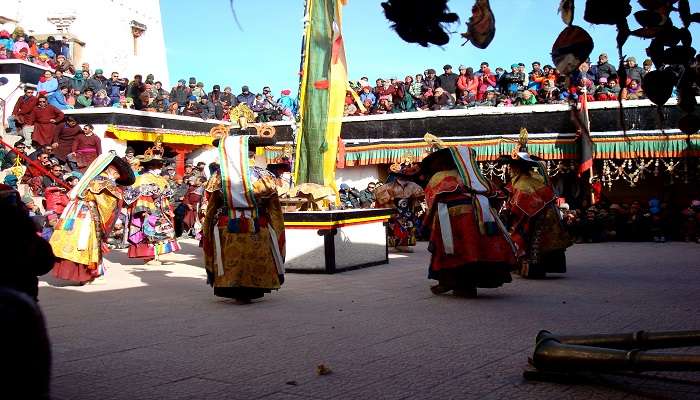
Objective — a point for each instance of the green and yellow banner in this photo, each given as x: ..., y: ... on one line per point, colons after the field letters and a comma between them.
x: 322, y: 93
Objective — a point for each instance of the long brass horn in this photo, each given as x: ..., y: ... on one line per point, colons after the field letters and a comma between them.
x: 615, y: 352
x: 629, y: 341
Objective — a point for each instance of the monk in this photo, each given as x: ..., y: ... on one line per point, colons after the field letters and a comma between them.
x: 45, y: 117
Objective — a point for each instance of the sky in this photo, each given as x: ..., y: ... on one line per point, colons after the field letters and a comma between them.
x: 203, y: 41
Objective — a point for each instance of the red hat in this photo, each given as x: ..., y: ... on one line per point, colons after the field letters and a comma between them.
x: 286, y: 92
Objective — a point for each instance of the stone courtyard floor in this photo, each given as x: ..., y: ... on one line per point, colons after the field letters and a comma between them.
x: 159, y: 333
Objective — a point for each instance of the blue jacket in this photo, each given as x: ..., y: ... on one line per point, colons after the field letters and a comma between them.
x: 49, y: 86
x: 287, y: 102
x: 364, y: 96
x: 58, y: 100
x: 48, y: 52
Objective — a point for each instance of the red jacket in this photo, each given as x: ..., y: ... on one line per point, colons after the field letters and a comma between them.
x: 56, y: 199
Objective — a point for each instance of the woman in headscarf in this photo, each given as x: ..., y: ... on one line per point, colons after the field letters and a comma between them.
x: 79, y: 80
x: 101, y: 99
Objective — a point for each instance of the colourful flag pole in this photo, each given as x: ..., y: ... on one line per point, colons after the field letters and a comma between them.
x: 322, y: 93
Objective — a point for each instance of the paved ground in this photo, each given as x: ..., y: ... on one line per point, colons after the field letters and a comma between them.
x: 159, y: 333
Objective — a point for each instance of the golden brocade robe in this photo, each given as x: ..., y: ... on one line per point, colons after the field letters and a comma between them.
x: 86, y: 221
x: 247, y: 258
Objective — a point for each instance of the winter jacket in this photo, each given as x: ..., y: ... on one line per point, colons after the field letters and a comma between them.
x: 634, y: 73
x: 364, y: 96
x: 83, y: 102
x: 466, y: 85
x: 94, y: 84
x: 287, y: 102
x: 208, y: 110
x: 179, y: 95
x: 448, y: 82
x: 603, y: 70
x: 246, y: 98
x: 49, y: 53
x: 114, y: 89
x: 49, y: 86
x: 58, y: 100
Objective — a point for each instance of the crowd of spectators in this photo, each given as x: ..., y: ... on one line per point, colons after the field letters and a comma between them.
x: 66, y: 86
x: 495, y: 88
x: 633, y: 222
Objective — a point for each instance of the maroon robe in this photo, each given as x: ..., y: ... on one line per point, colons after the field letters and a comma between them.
x: 23, y: 109
x: 44, y: 129
x: 192, y: 199
x: 65, y: 137
x: 86, y: 149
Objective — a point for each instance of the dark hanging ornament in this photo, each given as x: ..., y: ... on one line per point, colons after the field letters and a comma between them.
x: 418, y: 21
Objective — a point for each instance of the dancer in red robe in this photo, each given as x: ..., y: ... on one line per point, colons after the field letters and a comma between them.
x: 470, y: 246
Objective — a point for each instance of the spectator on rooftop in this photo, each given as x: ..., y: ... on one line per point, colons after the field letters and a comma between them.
x: 603, y: 92
x: 33, y: 48
x: 634, y: 72
x: 415, y: 87
x: 100, y: 99
x: 549, y: 93
x: 101, y: 79
x: 161, y: 94
x: 58, y: 98
x: 192, y: 109
x: 180, y: 94
x: 19, y: 44
x: 63, y: 80
x: 114, y: 87
x: 603, y: 69
x: 246, y: 96
x: 367, y: 95
x: 448, y: 81
x: 124, y: 103
x: 46, y: 50
x: 467, y: 85
x: 80, y: 81
x: 86, y: 148
x: 228, y: 96
x: 633, y: 91
x: 526, y: 98
x: 7, y: 42
x: 3, y: 53
x: 488, y: 99
x: 85, y: 67
x: 287, y: 102
x: 199, y: 91
x: 57, y: 46
x: 536, y: 68
x: 134, y: 91
x: 485, y: 81
x: 93, y: 82
x: 523, y: 75
x: 150, y: 79
x: 22, y: 118
x: 47, y: 83
x: 63, y: 141
x: 63, y: 65
x: 442, y: 100
x: 43, y: 61
x: 215, y: 94
x: 647, y: 66
x: 430, y: 81
x: 512, y: 81
x: 208, y: 108
x: 45, y: 117
x: 386, y: 89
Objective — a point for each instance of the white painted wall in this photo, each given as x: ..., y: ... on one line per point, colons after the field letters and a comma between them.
x: 104, y: 27
x: 358, y: 177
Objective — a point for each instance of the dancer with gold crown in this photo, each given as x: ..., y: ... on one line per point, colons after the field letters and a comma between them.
x: 243, y: 233
x: 81, y: 232
x: 151, y: 222
x: 533, y: 219
x: 470, y: 247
